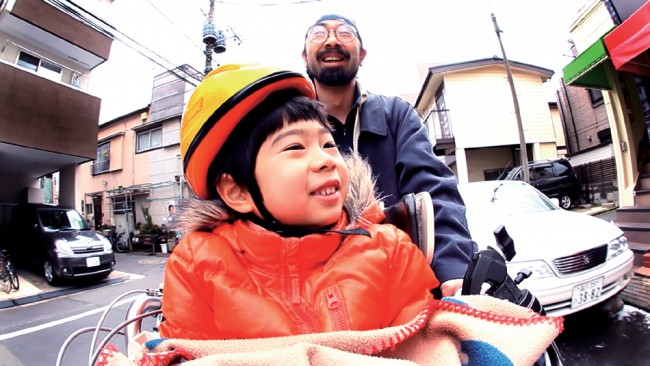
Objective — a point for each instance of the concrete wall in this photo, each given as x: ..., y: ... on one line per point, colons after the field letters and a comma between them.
x: 11, y: 187
x: 479, y: 160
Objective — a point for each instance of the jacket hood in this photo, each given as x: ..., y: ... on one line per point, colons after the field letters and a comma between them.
x: 205, y: 215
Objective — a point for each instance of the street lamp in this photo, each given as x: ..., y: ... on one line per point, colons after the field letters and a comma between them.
x: 522, y: 141
x: 214, y: 39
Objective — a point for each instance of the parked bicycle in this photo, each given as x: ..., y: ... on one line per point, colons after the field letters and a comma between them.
x: 119, y: 244
x: 8, y: 277
x: 117, y: 240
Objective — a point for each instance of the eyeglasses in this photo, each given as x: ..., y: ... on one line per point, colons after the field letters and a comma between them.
x: 319, y: 33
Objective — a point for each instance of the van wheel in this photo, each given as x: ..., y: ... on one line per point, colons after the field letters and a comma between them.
x: 565, y: 201
x: 50, y: 275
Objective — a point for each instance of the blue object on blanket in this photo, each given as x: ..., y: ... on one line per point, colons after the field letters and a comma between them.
x: 152, y: 344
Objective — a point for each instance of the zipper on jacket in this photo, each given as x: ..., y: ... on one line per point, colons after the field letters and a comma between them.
x: 293, y: 303
x: 336, y: 308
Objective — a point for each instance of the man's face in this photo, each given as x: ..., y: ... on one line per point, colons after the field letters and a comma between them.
x: 333, y: 62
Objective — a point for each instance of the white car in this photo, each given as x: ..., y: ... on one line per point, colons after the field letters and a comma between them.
x: 577, y: 260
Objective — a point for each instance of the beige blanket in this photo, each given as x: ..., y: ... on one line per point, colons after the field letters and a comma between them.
x: 463, y: 330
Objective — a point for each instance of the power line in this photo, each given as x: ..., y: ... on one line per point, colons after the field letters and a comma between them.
x: 175, y: 25
x: 125, y: 39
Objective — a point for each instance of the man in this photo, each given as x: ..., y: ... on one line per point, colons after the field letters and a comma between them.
x: 389, y: 133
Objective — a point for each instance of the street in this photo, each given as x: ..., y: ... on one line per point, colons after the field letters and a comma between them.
x: 588, y: 338
x: 48, y: 323
x: 591, y: 339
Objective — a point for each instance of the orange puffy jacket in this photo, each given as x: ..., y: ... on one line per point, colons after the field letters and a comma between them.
x: 240, y: 280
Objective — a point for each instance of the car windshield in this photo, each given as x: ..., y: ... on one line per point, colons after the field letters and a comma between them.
x: 503, y: 199
x: 513, y: 174
x: 61, y: 219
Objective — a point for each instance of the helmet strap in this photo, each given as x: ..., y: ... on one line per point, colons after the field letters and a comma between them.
x: 258, y: 200
x: 293, y: 231
x: 270, y: 223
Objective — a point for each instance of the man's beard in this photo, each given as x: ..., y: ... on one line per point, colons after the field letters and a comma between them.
x: 333, y: 76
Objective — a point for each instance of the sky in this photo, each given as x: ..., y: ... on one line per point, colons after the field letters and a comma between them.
x: 398, y: 35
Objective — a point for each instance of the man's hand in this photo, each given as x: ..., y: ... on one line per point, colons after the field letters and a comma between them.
x: 450, y: 287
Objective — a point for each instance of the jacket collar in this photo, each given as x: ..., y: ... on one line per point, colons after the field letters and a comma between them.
x: 259, y: 246
x: 375, y: 122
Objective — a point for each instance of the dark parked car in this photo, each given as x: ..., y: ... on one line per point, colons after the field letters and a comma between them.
x: 57, y: 241
x: 555, y: 178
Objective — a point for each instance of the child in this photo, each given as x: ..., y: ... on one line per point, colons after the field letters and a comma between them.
x: 284, y: 237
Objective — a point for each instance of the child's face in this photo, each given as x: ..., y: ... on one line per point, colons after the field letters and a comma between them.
x: 302, y: 176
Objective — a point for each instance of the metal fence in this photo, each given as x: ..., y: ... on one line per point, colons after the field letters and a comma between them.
x: 598, y: 181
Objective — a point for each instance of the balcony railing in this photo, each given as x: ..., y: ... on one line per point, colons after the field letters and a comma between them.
x: 441, y: 123
x: 100, y: 167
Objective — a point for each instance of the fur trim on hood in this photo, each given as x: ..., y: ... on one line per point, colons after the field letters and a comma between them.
x: 204, y: 215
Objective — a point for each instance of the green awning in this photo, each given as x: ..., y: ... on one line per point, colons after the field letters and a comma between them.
x: 588, y: 69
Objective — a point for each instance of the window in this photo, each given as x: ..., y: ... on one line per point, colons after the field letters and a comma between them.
x: 88, y: 209
x: 61, y: 219
x: 28, y: 61
x: 596, y: 97
x: 148, y: 140
x: 122, y: 204
x: 542, y: 172
x: 44, y: 68
x: 561, y: 169
x: 103, y: 161
x: 75, y: 80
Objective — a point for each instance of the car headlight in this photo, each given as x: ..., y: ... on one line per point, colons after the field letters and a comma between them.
x: 539, y: 269
x: 616, y: 247
x: 108, y: 247
x: 62, y: 247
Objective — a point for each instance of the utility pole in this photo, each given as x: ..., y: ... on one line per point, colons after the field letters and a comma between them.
x: 522, y: 141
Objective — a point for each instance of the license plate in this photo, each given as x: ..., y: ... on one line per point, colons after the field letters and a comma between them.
x: 586, y: 292
x: 92, y: 261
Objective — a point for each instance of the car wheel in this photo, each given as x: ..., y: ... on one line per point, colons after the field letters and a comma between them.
x: 50, y: 275
x: 565, y: 201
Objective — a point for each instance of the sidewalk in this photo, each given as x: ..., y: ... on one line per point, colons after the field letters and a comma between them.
x: 33, y: 290
x: 593, y: 209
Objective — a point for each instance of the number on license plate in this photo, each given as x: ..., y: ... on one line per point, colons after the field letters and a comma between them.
x: 586, y: 292
x: 92, y: 261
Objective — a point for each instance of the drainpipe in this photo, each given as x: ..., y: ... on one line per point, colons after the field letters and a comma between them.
x: 573, y: 121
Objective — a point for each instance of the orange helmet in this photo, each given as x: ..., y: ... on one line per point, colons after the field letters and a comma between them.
x: 224, y: 97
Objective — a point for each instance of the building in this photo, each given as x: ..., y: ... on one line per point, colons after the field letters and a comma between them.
x: 137, y: 179
x: 612, y: 38
x: 471, y: 116
x: 589, y: 142
x: 612, y: 42
x: 48, y: 120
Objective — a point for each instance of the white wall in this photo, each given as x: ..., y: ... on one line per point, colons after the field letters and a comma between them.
x: 482, y: 112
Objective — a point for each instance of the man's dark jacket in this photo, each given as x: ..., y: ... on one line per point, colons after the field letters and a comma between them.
x: 397, y: 146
